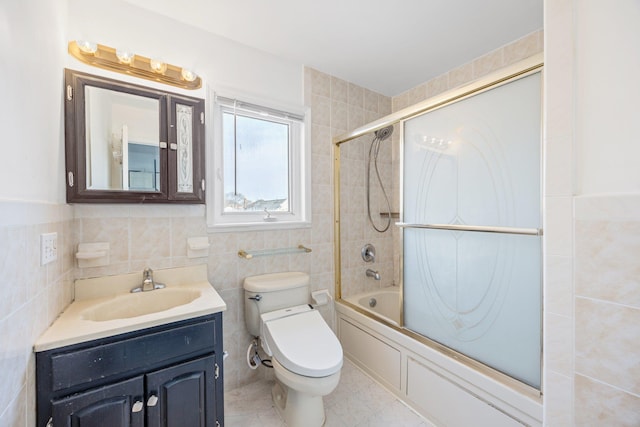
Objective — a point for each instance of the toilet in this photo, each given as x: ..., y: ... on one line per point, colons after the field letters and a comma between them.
x: 305, y: 353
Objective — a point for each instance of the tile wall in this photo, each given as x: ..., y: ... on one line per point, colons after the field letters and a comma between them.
x: 356, y: 230
x: 558, y: 190
x: 591, y: 274
x: 338, y: 107
x: 31, y: 296
x: 607, y: 310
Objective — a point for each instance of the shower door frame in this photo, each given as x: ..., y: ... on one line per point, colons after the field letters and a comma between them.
x: 524, y: 68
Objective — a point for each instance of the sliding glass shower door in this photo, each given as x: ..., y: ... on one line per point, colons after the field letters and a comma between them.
x: 472, y: 227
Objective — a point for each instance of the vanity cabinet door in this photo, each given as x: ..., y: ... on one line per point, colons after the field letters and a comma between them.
x: 183, y: 395
x: 116, y: 405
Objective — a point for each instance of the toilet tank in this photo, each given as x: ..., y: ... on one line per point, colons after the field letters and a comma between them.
x: 270, y: 292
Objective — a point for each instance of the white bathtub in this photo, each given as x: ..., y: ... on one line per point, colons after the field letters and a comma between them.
x: 442, y: 389
x: 384, y: 303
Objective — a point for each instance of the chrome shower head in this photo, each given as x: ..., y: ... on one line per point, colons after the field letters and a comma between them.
x: 384, y: 133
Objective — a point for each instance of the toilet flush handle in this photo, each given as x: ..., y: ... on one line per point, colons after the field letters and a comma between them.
x: 257, y: 297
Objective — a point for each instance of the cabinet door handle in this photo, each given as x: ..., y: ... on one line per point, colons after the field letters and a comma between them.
x: 153, y: 400
x: 137, y: 406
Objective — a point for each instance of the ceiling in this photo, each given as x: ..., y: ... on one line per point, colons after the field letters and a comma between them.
x: 383, y: 45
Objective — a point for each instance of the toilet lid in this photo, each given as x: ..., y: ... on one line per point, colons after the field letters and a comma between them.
x: 304, y: 344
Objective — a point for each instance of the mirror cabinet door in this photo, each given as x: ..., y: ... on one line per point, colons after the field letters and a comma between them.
x: 120, y: 139
x: 186, y: 157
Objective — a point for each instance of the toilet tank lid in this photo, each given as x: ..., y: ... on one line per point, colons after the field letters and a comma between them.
x: 276, y: 281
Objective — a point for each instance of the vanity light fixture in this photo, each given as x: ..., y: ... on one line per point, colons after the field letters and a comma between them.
x: 126, y: 62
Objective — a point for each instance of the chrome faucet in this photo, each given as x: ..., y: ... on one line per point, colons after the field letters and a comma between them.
x: 373, y: 273
x: 147, y: 282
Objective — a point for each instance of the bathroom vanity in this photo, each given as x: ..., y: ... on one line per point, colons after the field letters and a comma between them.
x: 97, y: 367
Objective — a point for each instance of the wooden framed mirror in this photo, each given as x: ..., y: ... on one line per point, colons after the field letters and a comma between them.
x: 129, y: 144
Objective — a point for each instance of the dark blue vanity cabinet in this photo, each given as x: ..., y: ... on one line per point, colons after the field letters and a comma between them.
x: 169, y: 376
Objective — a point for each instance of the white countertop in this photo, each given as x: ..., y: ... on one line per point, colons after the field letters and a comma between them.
x: 71, y: 327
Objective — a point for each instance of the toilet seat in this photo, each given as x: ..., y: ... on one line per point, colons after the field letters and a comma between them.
x: 301, y: 341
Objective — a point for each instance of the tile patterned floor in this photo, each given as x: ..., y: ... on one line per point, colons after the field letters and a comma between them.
x: 357, y: 402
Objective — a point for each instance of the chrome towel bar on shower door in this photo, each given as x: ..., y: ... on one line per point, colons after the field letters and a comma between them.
x: 478, y: 228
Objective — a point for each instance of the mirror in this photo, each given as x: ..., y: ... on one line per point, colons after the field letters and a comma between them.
x: 123, y: 141
x: 129, y: 143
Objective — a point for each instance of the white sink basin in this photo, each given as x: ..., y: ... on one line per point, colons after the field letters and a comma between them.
x: 104, y: 306
x: 140, y: 303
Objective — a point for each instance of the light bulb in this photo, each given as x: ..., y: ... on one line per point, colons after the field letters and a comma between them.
x: 87, y: 46
x: 124, y: 56
x: 158, y: 66
x: 188, y: 75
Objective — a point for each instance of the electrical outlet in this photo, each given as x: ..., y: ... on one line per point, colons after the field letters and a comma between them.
x: 48, y: 248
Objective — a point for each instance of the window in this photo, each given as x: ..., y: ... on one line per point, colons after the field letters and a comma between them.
x: 260, y: 167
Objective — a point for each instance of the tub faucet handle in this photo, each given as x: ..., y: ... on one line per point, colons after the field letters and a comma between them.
x: 368, y: 253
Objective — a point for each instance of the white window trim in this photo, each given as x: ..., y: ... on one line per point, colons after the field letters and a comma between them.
x: 300, y: 179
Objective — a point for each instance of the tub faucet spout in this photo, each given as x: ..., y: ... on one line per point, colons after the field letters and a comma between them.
x: 373, y: 273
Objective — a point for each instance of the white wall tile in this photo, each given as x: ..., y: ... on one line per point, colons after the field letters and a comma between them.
x: 558, y: 225
x: 610, y: 207
x: 558, y: 170
x: 488, y: 63
x: 558, y: 344
x: 558, y: 285
x: 598, y: 404
x: 558, y: 400
x: 607, y: 265
x: 607, y: 345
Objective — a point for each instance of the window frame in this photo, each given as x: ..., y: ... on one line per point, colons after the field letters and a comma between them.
x: 299, y: 154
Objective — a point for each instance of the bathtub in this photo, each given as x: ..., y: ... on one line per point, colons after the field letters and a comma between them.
x: 384, y: 303
x: 433, y: 381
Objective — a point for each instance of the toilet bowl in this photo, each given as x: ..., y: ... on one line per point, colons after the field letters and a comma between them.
x: 306, y: 357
